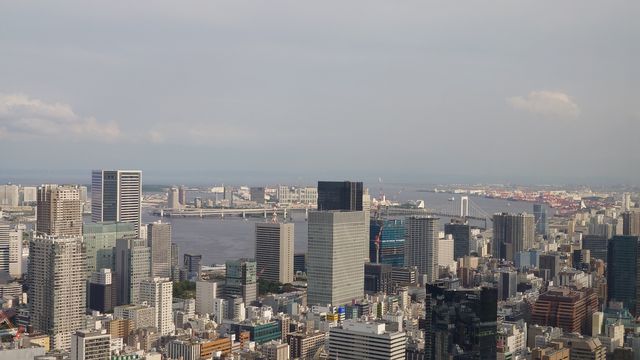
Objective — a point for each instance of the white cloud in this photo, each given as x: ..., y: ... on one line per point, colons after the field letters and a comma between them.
x: 550, y: 104
x: 23, y: 116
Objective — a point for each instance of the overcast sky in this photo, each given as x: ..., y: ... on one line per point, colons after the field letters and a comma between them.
x: 528, y: 91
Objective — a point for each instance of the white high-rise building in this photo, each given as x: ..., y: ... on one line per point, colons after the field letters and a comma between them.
x: 359, y: 340
x: 206, y: 294
x: 116, y: 195
x: 421, y: 246
x: 29, y: 194
x: 15, y: 252
x: 159, y: 240
x: 335, y: 266
x: 90, y: 345
x: 274, y: 251
x: 173, y: 198
x: 158, y: 292
x: 57, y: 287
x: 9, y: 195
x: 445, y: 251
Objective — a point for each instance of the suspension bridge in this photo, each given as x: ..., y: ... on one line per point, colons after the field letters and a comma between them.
x: 465, y: 210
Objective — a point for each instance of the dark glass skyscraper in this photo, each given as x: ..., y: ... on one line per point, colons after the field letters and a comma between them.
x: 540, y: 218
x: 340, y: 195
x: 461, y: 237
x: 597, y: 245
x: 390, y: 248
x: 623, y: 275
x: 461, y: 323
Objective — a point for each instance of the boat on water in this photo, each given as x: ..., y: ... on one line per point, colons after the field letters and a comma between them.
x: 452, y: 198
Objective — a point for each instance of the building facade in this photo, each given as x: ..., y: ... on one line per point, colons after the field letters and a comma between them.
x: 421, y: 246
x: 274, y: 251
x: 116, y: 195
x: 59, y: 210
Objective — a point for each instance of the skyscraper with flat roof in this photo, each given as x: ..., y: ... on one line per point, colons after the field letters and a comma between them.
x: 623, y: 272
x: 158, y: 292
x: 59, y: 210
x: 386, y: 244
x: 631, y: 223
x: 421, y: 246
x: 100, y: 239
x: 159, y: 240
x: 540, y: 218
x: 335, y: 267
x: 461, y: 233
x: 132, y: 265
x: 274, y: 251
x: 512, y: 233
x: 57, y: 287
x: 116, y: 195
x: 340, y: 195
x: 241, y: 280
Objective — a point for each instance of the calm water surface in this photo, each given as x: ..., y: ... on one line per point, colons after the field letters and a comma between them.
x: 218, y: 240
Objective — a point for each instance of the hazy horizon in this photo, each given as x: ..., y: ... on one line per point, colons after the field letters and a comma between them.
x: 420, y: 91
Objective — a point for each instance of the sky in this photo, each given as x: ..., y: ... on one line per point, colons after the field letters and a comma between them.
x: 416, y: 91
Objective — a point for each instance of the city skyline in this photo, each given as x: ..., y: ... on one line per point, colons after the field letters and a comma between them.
x: 384, y: 74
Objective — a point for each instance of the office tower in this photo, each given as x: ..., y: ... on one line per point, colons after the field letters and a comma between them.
x: 100, y: 239
x: 300, y: 263
x: 569, y: 309
x: 15, y: 252
x: 57, y: 287
x: 206, y: 294
x: 241, y: 280
x: 90, y: 345
x: 274, y: 252
x: 132, y: 265
x: 4, y: 247
x: 461, y: 238
x: 101, y: 291
x: 159, y: 240
x: 623, y: 272
x: 275, y: 350
x: 550, y: 262
x: 528, y: 259
x: 334, y: 267
x: 512, y: 233
x: 507, y: 281
x: 257, y: 194
x: 445, y: 251
x: 59, y: 211
x: 540, y: 219
x: 158, y: 292
x: 116, y: 195
x: 182, y: 195
x: 386, y: 244
x: 473, y: 315
x: 597, y: 245
x: 9, y: 195
x: 377, y: 278
x: 421, y: 246
x: 626, y: 202
x: 404, y: 276
x: 173, y: 198
x: 192, y: 265
x: 631, y: 223
x: 340, y: 195
x: 584, y: 348
x: 366, y: 340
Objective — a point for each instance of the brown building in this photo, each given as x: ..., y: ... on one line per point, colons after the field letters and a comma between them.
x: 208, y: 348
x: 305, y: 346
x: 555, y: 351
x: 120, y: 328
x: 584, y: 348
x: 566, y: 308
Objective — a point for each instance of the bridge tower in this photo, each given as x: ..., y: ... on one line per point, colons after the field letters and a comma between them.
x: 464, y: 206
